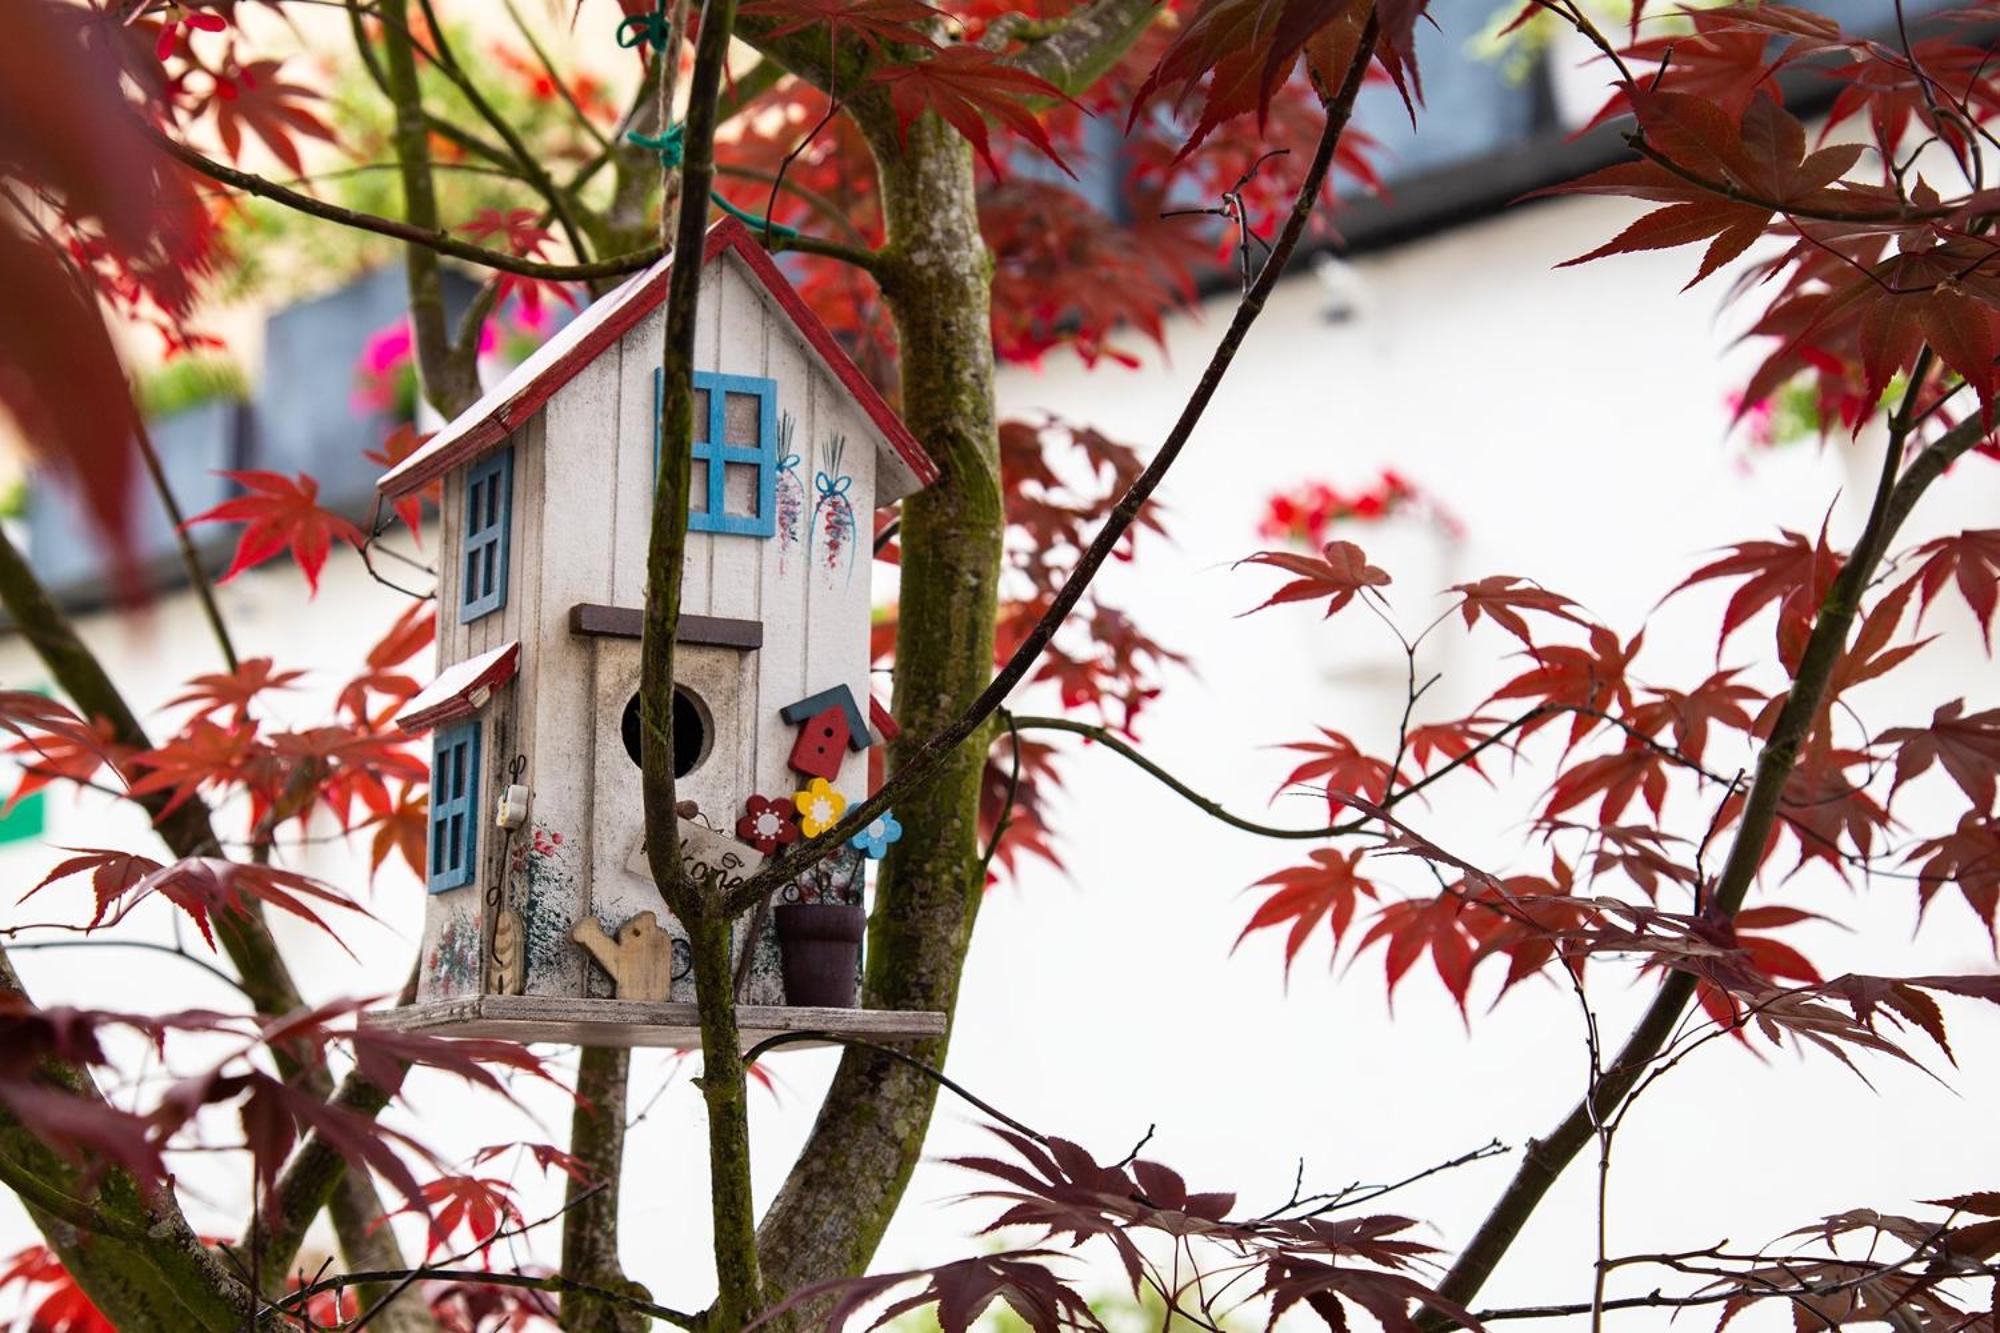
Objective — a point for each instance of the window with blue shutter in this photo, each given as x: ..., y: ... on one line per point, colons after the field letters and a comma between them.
x: 454, y: 807
x: 735, y: 475
x: 489, y: 510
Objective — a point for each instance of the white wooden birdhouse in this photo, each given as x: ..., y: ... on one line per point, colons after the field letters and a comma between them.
x: 542, y: 921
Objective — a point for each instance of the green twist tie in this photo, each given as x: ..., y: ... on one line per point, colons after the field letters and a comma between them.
x: 669, y: 145
x: 775, y: 228
x: 652, y: 29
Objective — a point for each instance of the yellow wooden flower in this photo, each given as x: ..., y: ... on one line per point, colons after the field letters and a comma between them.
x: 820, y: 807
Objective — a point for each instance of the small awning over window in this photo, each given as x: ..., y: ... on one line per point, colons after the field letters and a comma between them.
x: 460, y: 689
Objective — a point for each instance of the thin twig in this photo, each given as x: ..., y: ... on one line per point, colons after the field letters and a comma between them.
x: 197, y: 574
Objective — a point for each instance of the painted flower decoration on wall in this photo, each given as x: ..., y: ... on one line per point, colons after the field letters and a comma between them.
x: 875, y: 839
x: 767, y: 823
x: 820, y: 807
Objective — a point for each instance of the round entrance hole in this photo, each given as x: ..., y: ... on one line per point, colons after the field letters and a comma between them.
x: 691, y: 731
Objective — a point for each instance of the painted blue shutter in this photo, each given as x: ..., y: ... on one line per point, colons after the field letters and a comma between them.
x: 489, y: 512
x: 713, y: 449
x: 454, y: 807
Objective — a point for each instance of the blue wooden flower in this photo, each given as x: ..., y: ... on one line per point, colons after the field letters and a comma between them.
x: 875, y: 839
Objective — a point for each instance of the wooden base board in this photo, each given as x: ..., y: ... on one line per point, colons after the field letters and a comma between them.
x: 585, y: 1022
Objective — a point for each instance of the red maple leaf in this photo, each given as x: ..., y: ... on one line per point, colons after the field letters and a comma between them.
x: 1327, y: 888
x: 481, y: 1205
x: 874, y: 23
x: 54, y: 744
x: 1448, y: 741
x: 1972, y: 559
x: 1241, y: 52
x: 413, y: 631
x: 348, y: 763
x: 1871, y: 654
x: 404, y: 828
x: 1502, y: 598
x: 546, y: 1155
x: 203, y: 754
x: 1967, y: 747
x: 253, y: 97
x: 1441, y: 925
x: 1590, y: 680
x: 964, y: 85
x: 1826, y: 802
x: 113, y: 874
x: 235, y: 689
x: 62, y: 1307
x: 1723, y: 62
x: 1338, y: 573
x: 1717, y: 701
x: 1756, y: 959
x: 1636, y: 770
x: 527, y: 237
x: 399, y: 445
x: 1792, y: 572
x: 280, y: 513
x: 1968, y: 856
x: 1339, y: 766
x: 1735, y: 171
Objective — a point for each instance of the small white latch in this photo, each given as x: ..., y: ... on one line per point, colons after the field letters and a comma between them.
x: 513, y: 811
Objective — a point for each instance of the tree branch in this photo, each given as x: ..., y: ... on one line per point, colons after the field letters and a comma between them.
x: 1545, y: 1159
x: 1087, y: 42
x: 430, y: 238
x: 698, y: 904
x: 263, y: 974
x: 865, y: 260
x: 590, y: 1221
x: 525, y: 161
x: 926, y: 758
x: 1111, y: 741
x: 553, y: 1282
x: 130, y: 1249
x: 198, y: 579
x: 440, y: 377
x: 307, y: 1184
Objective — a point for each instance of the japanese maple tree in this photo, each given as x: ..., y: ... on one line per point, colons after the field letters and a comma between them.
x: 881, y: 146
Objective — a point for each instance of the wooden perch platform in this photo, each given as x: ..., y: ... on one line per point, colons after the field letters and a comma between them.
x: 584, y: 1022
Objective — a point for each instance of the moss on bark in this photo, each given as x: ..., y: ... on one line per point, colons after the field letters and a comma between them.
x: 936, y: 275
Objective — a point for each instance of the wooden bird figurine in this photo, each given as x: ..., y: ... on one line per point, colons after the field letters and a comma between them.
x: 640, y: 958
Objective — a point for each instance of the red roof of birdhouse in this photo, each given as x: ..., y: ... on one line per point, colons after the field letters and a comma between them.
x: 460, y: 689
x: 509, y: 404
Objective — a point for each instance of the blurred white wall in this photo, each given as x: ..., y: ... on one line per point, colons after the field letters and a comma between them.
x: 1574, y: 420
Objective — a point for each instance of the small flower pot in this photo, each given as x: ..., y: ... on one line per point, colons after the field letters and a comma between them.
x: 819, y: 948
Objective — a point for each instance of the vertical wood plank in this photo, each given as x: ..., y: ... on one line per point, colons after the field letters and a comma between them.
x: 735, y: 562
x: 579, y: 431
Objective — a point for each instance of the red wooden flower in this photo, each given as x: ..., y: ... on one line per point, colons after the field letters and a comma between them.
x: 767, y: 823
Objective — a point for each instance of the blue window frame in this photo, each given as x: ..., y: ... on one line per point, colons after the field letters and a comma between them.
x: 489, y: 512
x: 735, y: 475
x: 454, y: 808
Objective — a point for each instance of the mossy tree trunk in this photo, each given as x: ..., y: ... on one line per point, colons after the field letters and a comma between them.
x: 936, y: 275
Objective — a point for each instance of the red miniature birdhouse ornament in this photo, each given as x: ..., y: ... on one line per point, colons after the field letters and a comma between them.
x: 821, y: 746
x: 830, y: 724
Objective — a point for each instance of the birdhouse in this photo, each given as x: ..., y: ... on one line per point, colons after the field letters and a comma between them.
x: 542, y: 921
